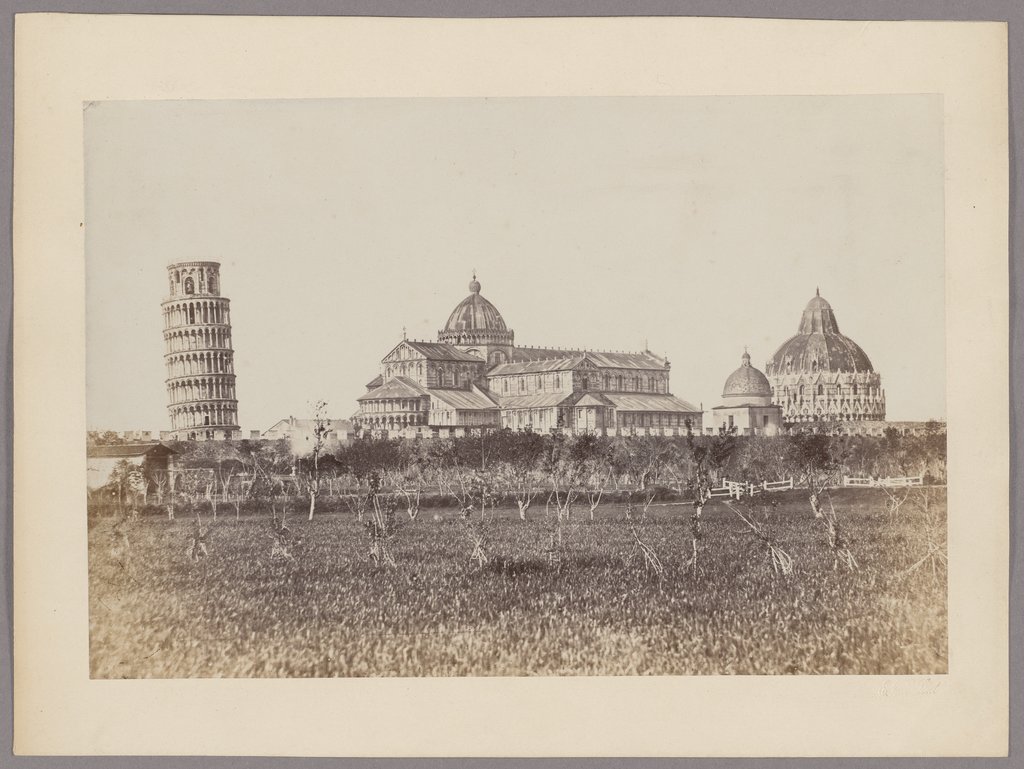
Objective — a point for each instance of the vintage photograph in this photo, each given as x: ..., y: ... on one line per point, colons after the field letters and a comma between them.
x: 589, y: 386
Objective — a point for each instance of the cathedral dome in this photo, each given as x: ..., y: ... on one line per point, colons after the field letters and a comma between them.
x: 474, y: 313
x: 818, y: 345
x: 747, y: 381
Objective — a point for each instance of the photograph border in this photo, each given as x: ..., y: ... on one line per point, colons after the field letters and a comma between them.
x: 1015, y: 340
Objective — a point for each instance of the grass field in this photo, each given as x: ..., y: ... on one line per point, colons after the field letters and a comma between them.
x: 156, y: 612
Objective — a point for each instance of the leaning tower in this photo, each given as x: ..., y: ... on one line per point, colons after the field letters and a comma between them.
x: 200, y: 369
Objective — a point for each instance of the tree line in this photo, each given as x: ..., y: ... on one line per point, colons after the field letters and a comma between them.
x: 520, y: 468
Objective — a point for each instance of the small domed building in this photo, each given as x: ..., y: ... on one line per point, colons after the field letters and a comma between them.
x: 820, y: 375
x: 747, y: 407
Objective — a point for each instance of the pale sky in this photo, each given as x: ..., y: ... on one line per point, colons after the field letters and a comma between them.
x: 697, y: 224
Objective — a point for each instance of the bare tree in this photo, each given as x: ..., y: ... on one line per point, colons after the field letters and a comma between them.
x: 760, y: 525
x: 381, y: 526
x: 837, y: 543
x: 599, y: 471
x: 515, y: 457
x: 931, y: 535
x: 162, y: 480
x: 472, y: 489
x: 321, y: 429
x: 818, y: 463
x: 707, y: 457
x: 410, y: 477
x: 194, y: 485
x: 224, y: 476
x: 119, y: 483
x: 520, y: 482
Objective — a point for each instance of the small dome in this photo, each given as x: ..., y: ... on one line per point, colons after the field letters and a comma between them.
x: 747, y: 381
x: 818, y: 345
x: 474, y: 313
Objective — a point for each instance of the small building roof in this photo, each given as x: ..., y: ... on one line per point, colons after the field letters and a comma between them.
x: 307, y: 425
x: 125, y: 450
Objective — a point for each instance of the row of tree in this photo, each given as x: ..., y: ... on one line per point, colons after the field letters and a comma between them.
x: 520, y: 467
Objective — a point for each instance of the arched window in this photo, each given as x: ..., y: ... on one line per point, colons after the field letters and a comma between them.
x: 190, y: 286
x: 855, y: 389
x: 821, y: 389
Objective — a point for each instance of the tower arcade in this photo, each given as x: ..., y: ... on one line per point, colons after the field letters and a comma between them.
x: 197, y: 352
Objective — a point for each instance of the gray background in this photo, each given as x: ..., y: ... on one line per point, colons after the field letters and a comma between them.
x: 1011, y: 11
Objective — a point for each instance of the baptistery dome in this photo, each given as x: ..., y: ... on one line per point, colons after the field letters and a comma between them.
x: 818, y: 345
x: 821, y: 375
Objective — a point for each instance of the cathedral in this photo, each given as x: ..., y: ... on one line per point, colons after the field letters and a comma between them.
x: 475, y: 376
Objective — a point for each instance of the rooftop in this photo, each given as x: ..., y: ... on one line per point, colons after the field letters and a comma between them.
x: 130, y: 449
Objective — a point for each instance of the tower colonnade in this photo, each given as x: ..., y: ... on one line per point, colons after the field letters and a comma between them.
x: 198, y: 354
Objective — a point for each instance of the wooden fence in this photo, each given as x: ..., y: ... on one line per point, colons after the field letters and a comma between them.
x: 889, y: 483
x: 737, y: 489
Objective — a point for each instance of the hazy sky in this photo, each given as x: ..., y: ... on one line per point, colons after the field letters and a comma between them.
x: 698, y: 224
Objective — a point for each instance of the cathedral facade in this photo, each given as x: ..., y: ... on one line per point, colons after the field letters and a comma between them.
x: 819, y: 375
x: 475, y: 376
